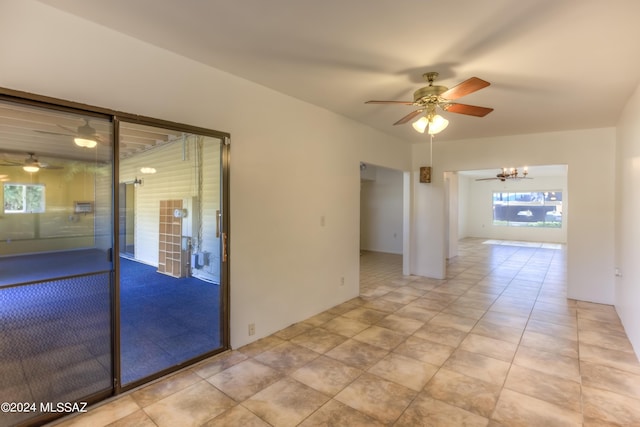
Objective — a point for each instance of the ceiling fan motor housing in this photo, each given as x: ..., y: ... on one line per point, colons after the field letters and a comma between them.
x: 428, y: 94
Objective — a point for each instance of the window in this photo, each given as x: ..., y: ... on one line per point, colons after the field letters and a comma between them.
x: 528, y: 209
x: 24, y: 198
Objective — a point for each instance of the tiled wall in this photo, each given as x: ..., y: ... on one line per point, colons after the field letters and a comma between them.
x: 170, y: 251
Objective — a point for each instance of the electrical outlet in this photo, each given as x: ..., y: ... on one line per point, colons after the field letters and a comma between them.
x: 252, y: 329
x: 342, y: 281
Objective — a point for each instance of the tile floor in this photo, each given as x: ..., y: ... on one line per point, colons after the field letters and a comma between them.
x: 495, y: 344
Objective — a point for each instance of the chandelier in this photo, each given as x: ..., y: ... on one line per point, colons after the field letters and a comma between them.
x: 512, y: 173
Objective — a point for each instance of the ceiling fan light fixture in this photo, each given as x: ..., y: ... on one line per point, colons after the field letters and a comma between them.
x: 421, y: 124
x: 31, y: 168
x: 437, y: 124
x: 85, y: 142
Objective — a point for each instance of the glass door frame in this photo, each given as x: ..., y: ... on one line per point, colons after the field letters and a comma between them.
x: 116, y: 117
x: 51, y: 104
x: 224, y: 242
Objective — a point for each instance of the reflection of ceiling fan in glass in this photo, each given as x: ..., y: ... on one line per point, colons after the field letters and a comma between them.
x: 84, y: 136
x: 30, y: 164
x: 511, y: 174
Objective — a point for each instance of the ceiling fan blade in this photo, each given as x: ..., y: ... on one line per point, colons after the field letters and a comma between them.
x: 486, y: 179
x: 54, y: 133
x: 408, y: 117
x: 465, y: 88
x: 74, y: 132
x: 390, y: 102
x: 470, y: 110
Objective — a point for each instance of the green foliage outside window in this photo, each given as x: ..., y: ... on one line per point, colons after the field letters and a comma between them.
x: 24, y: 198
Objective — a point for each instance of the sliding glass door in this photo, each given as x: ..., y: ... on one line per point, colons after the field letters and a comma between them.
x: 56, y: 240
x: 113, y: 257
x: 171, y: 248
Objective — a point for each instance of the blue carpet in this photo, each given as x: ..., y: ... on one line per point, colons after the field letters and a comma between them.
x: 164, y: 320
x: 55, y: 335
x: 45, y: 266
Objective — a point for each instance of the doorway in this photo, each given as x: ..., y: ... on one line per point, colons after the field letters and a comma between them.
x: 172, y: 248
x: 383, y: 211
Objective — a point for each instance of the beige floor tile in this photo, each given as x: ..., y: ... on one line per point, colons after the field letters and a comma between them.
x: 237, y: 416
x: 560, y: 331
x: 403, y: 370
x: 334, y: 413
x: 378, y: 398
x: 550, y: 388
x: 380, y: 337
x: 285, y: 403
x: 476, y: 365
x: 430, y: 304
x: 548, y: 363
x: 446, y: 335
x: 516, y: 409
x: 219, y: 363
x: 501, y: 332
x: 357, y: 354
x: 610, y: 407
x: 384, y: 305
x: 366, y: 315
x: 465, y: 392
x: 165, y: 387
x: 244, y: 379
x: 286, y: 357
x: 605, y: 339
x: 506, y: 319
x: 495, y: 344
x: 610, y: 379
x: 320, y: 319
x: 344, y: 326
x: 550, y: 343
x: 319, y: 340
x: 425, y: 350
x: 415, y: 312
x: 326, y: 375
x: 400, y: 324
x: 498, y: 349
x: 599, y: 312
x: 604, y: 327
x: 260, y: 345
x: 401, y: 298
x: 104, y: 414
x: 556, y: 318
x: 463, y: 310
x: 189, y: 407
x: 137, y: 419
x: 428, y: 412
x: 622, y: 360
x: 293, y: 330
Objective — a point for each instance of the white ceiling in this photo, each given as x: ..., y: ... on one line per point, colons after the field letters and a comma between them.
x: 553, y: 64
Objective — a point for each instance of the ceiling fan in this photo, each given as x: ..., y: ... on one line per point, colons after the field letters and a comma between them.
x: 506, y: 174
x: 430, y: 97
x: 30, y: 164
x: 84, y: 136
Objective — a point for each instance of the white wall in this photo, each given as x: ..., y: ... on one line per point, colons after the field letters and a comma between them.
x: 627, y: 297
x: 590, y: 156
x: 381, y: 211
x: 478, y: 215
x: 291, y: 165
